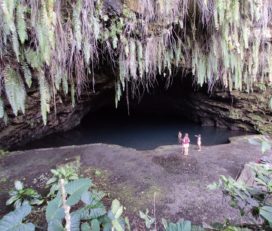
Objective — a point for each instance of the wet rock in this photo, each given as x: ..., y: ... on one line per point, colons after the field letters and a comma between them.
x: 115, y: 6
x: 234, y: 110
x: 25, y: 128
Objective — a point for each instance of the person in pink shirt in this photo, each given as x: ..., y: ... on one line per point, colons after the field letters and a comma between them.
x: 186, y: 144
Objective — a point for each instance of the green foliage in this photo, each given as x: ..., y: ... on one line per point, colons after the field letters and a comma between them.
x: 94, y: 208
x: 67, y: 173
x: 254, y: 199
x: 45, y: 96
x: 77, y: 24
x: 21, y: 24
x: 149, y: 221
x: 62, y: 40
x: 181, y: 225
x: 75, y: 189
x: 13, y: 221
x: 20, y: 195
x: 27, y: 75
x: 33, y: 58
x: 117, y: 222
x: 2, y: 112
x: 15, y: 90
x: 93, y: 214
x: 89, y: 212
x: 264, y: 142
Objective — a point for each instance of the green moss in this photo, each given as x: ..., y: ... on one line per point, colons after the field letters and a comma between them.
x: 235, y: 114
x: 3, y: 153
x: 135, y: 199
x: 256, y: 118
x: 3, y: 180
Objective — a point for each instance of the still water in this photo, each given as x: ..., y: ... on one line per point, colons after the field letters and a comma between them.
x: 139, y: 132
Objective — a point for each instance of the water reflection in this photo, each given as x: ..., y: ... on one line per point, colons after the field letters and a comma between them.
x: 140, y: 132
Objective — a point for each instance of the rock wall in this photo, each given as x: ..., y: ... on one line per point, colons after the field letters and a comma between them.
x: 25, y: 128
x: 234, y: 110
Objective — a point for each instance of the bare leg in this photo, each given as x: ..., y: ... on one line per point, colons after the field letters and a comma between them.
x: 186, y: 151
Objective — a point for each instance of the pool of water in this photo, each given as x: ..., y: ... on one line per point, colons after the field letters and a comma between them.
x: 139, y: 132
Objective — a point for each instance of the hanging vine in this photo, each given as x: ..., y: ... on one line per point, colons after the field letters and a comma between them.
x: 59, y: 42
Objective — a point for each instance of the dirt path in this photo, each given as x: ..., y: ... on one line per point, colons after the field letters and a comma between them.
x: 179, y: 182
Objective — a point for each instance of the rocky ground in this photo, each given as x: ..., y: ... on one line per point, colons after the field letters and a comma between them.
x: 178, y: 182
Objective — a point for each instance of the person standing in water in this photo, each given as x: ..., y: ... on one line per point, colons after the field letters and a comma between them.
x: 186, y: 144
x: 198, y: 142
x: 180, y: 141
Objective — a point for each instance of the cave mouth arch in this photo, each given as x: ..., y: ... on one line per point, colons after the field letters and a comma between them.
x: 153, y: 121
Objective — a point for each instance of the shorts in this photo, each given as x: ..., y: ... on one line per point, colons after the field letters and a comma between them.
x: 186, y: 145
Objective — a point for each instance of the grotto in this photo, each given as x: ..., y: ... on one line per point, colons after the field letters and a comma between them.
x: 93, y: 94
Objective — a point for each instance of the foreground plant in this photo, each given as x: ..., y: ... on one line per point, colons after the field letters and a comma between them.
x: 254, y: 199
x: 20, y: 195
x: 91, y: 215
x: 14, y: 220
x: 66, y: 173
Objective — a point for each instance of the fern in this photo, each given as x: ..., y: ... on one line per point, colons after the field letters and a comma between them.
x: 33, y: 58
x: 8, y: 7
x: 15, y: 45
x: 140, y: 58
x: 177, y: 51
x: 21, y: 24
x: 15, y: 90
x: 65, y: 40
x: 77, y: 24
x: 65, y: 83
x: 132, y: 59
x: 27, y: 74
x: 245, y: 34
x: 6, y: 119
x: 118, y: 93
x: 123, y: 71
x: 201, y: 71
x: 44, y: 46
x: 159, y: 56
x: 58, y: 78
x: 86, y: 51
x: 2, y: 111
x: 44, y: 96
x: 235, y: 11
x: 73, y: 94
x: 96, y: 27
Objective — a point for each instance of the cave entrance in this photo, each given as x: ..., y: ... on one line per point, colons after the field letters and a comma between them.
x: 153, y: 121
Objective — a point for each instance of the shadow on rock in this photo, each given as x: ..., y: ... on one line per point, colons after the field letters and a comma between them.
x: 175, y: 164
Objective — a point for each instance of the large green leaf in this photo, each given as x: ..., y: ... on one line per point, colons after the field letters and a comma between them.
x: 55, y: 225
x: 95, y: 225
x: 117, y: 225
x: 182, y: 225
x: 75, y: 189
x: 54, y: 211
x: 266, y: 213
x: 116, y: 208
x: 92, y: 198
x: 92, y: 213
x: 75, y: 221
x: 13, y: 221
x: 85, y: 227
